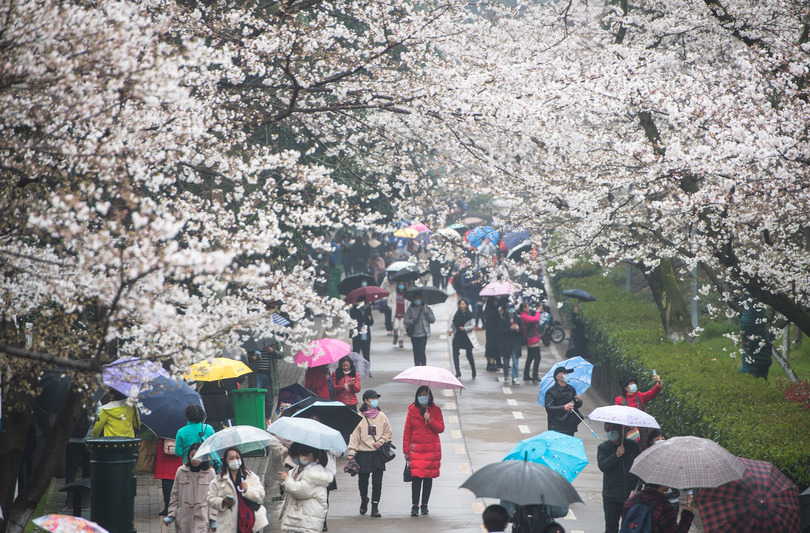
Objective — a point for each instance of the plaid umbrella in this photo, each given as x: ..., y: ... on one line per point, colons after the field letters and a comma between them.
x: 687, y: 463
x: 763, y: 500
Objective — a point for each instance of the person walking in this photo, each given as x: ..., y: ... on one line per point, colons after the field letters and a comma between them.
x: 305, y: 495
x: 614, y: 457
x: 531, y: 328
x: 236, y: 486
x: 347, y: 383
x: 419, y: 316
x: 117, y: 418
x: 492, y: 326
x: 166, y: 465
x: 361, y: 338
x: 511, y: 342
x: 460, y: 327
x: 188, y: 505
x: 422, y: 447
x: 632, y: 397
x: 193, y: 432
x: 396, y: 301
x: 318, y: 379
x: 364, y: 444
x: 563, y: 403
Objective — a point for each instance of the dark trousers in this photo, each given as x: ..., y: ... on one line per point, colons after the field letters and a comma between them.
x: 423, y: 485
x: 456, y: 350
x: 419, y: 356
x: 166, y: 485
x: 533, y: 360
x: 362, y: 346
x: 76, y: 456
x: 613, y: 513
x: 376, y: 485
x: 389, y: 322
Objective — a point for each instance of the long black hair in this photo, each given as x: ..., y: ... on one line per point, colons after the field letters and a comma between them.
x: 204, y: 465
x: 419, y: 391
x: 339, y: 372
x: 297, y: 449
x: 223, y: 472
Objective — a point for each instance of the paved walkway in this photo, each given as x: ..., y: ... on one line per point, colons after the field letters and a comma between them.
x: 482, y: 423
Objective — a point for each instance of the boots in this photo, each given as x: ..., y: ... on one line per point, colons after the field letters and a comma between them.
x: 363, y: 505
x: 375, y: 512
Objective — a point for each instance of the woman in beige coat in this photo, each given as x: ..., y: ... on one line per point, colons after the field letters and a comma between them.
x: 188, y: 508
x: 233, y: 481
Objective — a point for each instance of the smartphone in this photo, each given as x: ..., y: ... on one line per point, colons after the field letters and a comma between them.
x: 654, y: 372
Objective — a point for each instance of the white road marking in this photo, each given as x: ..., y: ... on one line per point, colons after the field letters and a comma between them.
x: 507, y: 390
x: 453, y: 419
x: 570, y: 516
x: 524, y: 429
x: 512, y: 402
x: 456, y: 433
x: 464, y: 468
x: 460, y: 449
x: 477, y: 507
x: 448, y: 392
x: 518, y: 415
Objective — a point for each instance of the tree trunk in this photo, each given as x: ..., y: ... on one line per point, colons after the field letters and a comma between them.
x: 668, y: 296
x: 783, y: 356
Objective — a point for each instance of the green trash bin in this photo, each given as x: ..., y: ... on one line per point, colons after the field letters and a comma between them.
x: 248, y: 407
x: 113, y: 482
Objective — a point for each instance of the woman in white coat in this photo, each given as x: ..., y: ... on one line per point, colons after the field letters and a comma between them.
x: 187, y: 504
x: 305, y: 503
x: 235, y: 485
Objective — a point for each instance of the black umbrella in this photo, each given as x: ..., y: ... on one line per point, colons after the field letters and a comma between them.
x: 292, y: 394
x: 516, y: 252
x: 522, y: 483
x: 430, y: 295
x: 804, y: 509
x: 579, y: 294
x: 55, y: 387
x: 409, y: 273
x: 330, y: 413
x: 355, y: 281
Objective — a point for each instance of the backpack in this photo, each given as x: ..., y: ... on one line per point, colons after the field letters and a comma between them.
x: 530, y: 519
x: 639, y: 517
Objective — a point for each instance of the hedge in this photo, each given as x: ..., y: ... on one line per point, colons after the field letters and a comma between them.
x: 704, y: 392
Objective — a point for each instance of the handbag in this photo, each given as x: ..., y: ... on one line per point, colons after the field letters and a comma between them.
x: 386, y: 450
x: 247, y: 518
x: 406, y: 474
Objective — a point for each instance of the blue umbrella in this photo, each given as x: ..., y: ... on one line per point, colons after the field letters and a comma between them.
x: 563, y: 454
x: 580, y: 378
x: 515, y: 237
x: 579, y: 294
x: 476, y: 236
x: 164, y: 401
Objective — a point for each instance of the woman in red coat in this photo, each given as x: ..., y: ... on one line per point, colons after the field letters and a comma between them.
x: 422, y: 447
x: 318, y: 379
x: 633, y: 397
x: 347, y: 383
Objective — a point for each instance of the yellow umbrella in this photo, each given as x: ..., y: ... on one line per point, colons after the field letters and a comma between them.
x: 408, y: 233
x: 222, y: 368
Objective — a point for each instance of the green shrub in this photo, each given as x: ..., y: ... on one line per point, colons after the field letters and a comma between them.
x: 705, y: 394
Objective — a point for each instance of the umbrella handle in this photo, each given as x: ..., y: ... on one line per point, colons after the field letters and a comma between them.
x: 586, y: 424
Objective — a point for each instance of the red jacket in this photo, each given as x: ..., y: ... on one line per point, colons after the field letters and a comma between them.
x: 633, y: 400
x: 166, y: 465
x: 347, y: 396
x: 420, y: 441
x: 316, y: 380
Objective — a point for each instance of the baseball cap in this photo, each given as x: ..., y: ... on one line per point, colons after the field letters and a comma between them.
x: 370, y: 393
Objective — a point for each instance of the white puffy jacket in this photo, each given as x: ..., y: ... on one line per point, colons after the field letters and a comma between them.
x: 305, y: 506
x: 227, y: 518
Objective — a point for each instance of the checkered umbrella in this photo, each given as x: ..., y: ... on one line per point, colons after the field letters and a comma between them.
x: 763, y: 500
x: 687, y: 463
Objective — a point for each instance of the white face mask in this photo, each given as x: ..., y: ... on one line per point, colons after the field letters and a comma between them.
x: 235, y: 464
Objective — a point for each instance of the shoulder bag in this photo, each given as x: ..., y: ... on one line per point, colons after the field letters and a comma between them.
x: 386, y: 451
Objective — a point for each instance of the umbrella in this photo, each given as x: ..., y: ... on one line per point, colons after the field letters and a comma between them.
x: 399, y: 265
x: 362, y: 366
x: 687, y: 462
x: 322, y: 352
x: 246, y: 438
x: 499, y: 288
x: 450, y: 234
x: 762, y: 500
x: 419, y: 227
x: 472, y: 221
x: 523, y: 483
x: 292, y: 394
x: 515, y: 237
x: 476, y: 235
x: 515, y: 252
x: 309, y: 432
x: 279, y: 319
x: 221, y: 368
x: 409, y: 273
x: 432, y: 376
x: 54, y: 390
x: 624, y: 415
x: 166, y: 400
x: 580, y: 378
x: 461, y: 229
x: 370, y: 293
x: 430, y: 295
x: 804, y: 508
x: 59, y: 523
x: 579, y: 294
x: 330, y: 413
x: 563, y: 454
x: 355, y: 281
x: 406, y: 233
x: 128, y: 374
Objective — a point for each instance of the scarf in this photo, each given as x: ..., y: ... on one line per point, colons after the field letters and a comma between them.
x: 371, y: 412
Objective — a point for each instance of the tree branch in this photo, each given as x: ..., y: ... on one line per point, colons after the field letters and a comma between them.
x: 75, y: 364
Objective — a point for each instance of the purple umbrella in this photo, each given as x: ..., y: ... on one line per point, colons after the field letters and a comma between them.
x: 128, y: 374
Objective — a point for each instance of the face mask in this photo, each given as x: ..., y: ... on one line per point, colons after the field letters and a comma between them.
x: 423, y: 400
x: 374, y: 403
x: 320, y: 256
x: 235, y: 464
x: 633, y: 388
x: 299, y: 461
x: 511, y: 310
x: 612, y: 435
x: 566, y: 378
x: 417, y: 302
x: 401, y: 287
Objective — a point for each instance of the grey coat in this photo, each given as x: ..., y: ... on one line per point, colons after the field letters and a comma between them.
x: 422, y: 317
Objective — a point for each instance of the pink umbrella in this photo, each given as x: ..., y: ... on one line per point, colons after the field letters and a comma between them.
x: 323, y: 352
x: 419, y: 227
x: 499, y: 288
x: 432, y: 376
